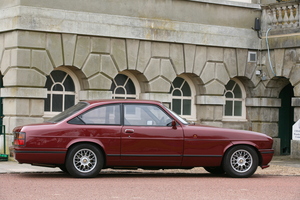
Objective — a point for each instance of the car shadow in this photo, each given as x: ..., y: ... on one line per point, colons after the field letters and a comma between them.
x: 134, y: 174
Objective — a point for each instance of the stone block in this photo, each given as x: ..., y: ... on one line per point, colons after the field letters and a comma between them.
x: 94, y: 94
x: 54, y: 47
x: 36, y: 107
x: 250, y: 69
x: 101, y: 45
x: 296, y: 101
x: 69, y: 42
x: 214, y: 88
x: 230, y: 61
x: 160, y: 50
x: 218, y: 113
x: 270, y: 129
x: 290, y: 58
x: 99, y: 82
x: 295, y: 149
x: 1, y: 45
x: 11, y: 39
x: 30, y: 39
x: 239, y: 125
x: 167, y: 70
x: 294, y: 77
x: 208, y: 73
x: 206, y: 113
x: 212, y: 123
x: 263, y: 102
x: 189, y: 57
x: 296, y: 113
x: 41, y: 61
x: 263, y: 114
x: 143, y: 56
x: 276, y: 146
x: 278, y: 61
x: 108, y: 67
x: 221, y: 73
x: 24, y: 77
x: 118, y: 52
x: 200, y: 59
x: 24, y: 92
x: 5, y: 61
x: 210, y: 100
x: 92, y: 65
x: 215, y: 54
x: 153, y: 69
x: 132, y: 53
x: 20, y: 58
x: 83, y: 47
x: 159, y: 84
x: 177, y: 57
x: 166, y: 98
x: 297, y: 90
x: 11, y: 122
x: 242, y: 56
x: 16, y: 107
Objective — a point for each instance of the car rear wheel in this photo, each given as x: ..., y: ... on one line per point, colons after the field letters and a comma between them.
x: 84, y: 161
x: 63, y: 168
x: 240, y: 161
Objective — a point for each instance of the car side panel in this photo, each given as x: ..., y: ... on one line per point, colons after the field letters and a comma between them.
x: 50, y: 145
x: 151, y: 146
x: 203, y: 152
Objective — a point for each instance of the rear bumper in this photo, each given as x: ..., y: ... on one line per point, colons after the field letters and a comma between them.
x: 39, y: 156
x: 266, y: 157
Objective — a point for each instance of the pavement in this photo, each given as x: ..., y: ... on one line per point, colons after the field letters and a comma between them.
x: 278, y: 164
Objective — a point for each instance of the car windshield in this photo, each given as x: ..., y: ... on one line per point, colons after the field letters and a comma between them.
x: 70, y: 111
x: 177, y: 116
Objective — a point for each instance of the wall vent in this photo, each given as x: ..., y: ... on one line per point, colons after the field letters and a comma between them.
x: 252, y: 56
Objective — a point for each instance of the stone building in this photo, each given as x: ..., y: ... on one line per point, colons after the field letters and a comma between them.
x: 223, y: 63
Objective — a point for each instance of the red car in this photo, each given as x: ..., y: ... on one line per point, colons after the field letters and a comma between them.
x: 93, y: 135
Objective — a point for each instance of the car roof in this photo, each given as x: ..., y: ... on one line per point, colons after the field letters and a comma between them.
x: 105, y: 101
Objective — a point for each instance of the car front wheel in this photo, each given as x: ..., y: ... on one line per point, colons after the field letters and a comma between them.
x: 240, y: 161
x: 84, y: 161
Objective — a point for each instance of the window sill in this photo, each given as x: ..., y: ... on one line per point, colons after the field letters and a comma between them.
x: 234, y: 120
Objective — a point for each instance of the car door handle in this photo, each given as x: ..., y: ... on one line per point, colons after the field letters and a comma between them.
x: 129, y: 131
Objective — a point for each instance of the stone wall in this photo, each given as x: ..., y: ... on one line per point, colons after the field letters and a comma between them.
x: 28, y: 57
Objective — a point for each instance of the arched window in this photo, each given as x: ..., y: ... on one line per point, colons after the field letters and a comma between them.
x: 234, y: 100
x: 122, y: 87
x: 61, y: 93
x: 181, y: 97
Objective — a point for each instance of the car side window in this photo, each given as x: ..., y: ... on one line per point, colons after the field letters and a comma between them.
x: 104, y: 115
x: 145, y: 115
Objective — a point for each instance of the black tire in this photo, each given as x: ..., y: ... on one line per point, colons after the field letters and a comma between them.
x: 240, y: 161
x: 84, y: 161
x: 215, y: 170
x: 63, y: 168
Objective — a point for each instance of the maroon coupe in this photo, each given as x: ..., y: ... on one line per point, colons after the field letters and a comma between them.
x: 93, y: 135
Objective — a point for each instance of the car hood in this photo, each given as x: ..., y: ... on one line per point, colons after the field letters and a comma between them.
x: 226, y: 133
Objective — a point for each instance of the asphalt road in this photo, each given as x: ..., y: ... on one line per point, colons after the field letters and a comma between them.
x: 147, y: 185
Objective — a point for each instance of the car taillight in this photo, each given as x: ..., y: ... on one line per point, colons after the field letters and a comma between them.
x: 19, y: 139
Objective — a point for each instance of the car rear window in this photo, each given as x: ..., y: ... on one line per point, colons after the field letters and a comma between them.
x: 70, y: 111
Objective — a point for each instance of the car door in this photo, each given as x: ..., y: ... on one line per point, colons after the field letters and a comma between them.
x: 148, y: 137
x: 102, y: 124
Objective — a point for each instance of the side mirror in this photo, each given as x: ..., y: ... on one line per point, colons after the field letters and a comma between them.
x: 174, y: 124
